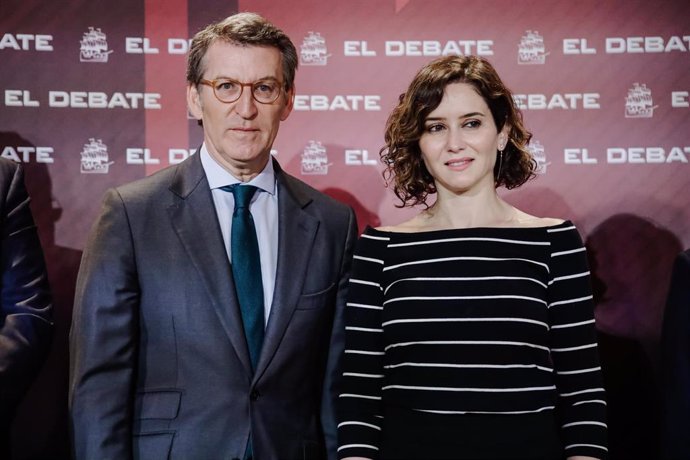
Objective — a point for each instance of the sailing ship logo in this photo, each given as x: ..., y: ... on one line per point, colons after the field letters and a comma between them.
x: 537, y: 151
x: 94, y: 46
x: 313, y: 50
x: 531, y: 49
x: 314, y: 159
x: 94, y: 157
x: 638, y: 102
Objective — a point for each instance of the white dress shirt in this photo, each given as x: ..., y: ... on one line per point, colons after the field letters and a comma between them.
x: 264, y: 209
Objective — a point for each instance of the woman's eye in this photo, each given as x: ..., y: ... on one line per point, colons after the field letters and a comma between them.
x: 472, y: 124
x: 434, y: 128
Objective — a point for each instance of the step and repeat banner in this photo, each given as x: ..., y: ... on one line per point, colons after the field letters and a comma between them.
x: 92, y: 95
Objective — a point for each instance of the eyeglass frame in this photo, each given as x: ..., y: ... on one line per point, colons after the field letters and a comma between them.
x: 212, y: 84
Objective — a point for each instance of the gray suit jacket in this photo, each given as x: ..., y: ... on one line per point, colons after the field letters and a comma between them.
x: 160, y: 367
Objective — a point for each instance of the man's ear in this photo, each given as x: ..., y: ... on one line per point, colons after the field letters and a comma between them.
x: 289, y: 104
x: 194, y: 101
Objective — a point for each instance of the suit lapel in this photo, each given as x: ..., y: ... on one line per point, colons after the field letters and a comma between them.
x: 296, y: 233
x: 194, y: 219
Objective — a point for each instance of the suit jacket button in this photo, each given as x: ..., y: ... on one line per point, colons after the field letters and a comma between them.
x: 254, y: 395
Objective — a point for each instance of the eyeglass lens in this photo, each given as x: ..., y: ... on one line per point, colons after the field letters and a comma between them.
x: 265, y: 91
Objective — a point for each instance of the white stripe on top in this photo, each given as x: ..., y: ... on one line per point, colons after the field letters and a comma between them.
x: 464, y: 278
x: 451, y: 240
x: 450, y: 259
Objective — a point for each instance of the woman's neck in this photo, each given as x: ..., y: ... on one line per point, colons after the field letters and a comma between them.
x: 479, y: 209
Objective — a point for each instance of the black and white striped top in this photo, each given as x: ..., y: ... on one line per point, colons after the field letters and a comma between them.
x: 475, y: 320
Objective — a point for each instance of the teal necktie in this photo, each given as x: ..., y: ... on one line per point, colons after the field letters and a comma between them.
x: 246, y: 269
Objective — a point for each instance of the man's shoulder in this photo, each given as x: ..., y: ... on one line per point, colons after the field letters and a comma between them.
x: 305, y: 192
x: 159, y: 179
x: 12, y: 189
x: 8, y: 168
x: 180, y: 178
x: 686, y: 254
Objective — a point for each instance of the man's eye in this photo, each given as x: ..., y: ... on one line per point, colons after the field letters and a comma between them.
x: 264, y: 87
x: 226, y: 86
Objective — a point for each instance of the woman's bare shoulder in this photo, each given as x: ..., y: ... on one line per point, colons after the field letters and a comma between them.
x: 414, y: 225
x: 527, y: 220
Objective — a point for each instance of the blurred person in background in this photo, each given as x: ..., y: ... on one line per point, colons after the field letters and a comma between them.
x: 25, y: 302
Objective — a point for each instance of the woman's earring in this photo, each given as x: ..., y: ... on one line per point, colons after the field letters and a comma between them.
x: 500, y: 164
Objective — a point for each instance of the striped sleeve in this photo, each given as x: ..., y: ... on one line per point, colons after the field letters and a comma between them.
x: 359, y: 404
x: 581, y: 398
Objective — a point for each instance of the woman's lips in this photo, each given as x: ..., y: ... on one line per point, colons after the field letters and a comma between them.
x: 459, y: 164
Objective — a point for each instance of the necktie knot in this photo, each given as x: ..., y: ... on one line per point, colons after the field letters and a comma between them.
x: 242, y: 194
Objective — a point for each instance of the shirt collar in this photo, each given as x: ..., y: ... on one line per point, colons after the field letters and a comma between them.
x: 218, y: 177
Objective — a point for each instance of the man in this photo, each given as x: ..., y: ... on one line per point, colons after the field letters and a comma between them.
x: 675, y: 348
x: 167, y: 359
x: 25, y: 302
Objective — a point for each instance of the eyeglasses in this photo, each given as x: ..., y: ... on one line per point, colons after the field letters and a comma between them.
x: 229, y: 90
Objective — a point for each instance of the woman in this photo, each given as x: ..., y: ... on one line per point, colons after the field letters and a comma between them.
x: 470, y: 330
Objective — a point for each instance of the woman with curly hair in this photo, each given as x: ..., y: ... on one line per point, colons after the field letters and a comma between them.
x: 469, y: 328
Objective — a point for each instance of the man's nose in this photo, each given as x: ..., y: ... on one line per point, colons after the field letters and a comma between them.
x: 246, y: 106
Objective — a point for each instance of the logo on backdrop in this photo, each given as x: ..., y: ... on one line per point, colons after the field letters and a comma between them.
x: 314, y: 159
x: 531, y: 49
x: 94, y: 46
x: 313, y: 50
x: 94, y: 157
x: 638, y: 102
x: 537, y: 151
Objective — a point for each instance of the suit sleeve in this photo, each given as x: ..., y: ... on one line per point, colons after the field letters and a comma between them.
x: 581, y: 397
x: 103, y: 339
x: 675, y: 347
x: 333, y: 367
x: 26, y: 305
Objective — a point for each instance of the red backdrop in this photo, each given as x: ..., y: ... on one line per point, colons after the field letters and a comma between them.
x: 92, y: 95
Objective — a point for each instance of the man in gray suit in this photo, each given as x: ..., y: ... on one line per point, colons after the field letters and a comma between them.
x: 167, y: 361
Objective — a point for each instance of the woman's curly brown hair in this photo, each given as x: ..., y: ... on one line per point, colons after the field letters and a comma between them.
x: 411, y: 181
